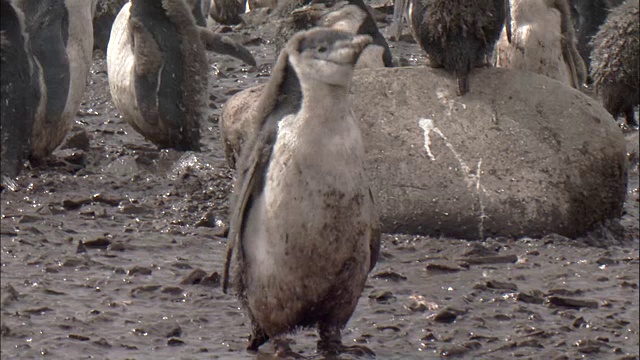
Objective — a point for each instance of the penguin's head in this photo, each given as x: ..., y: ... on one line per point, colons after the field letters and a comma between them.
x: 345, y: 17
x: 326, y: 55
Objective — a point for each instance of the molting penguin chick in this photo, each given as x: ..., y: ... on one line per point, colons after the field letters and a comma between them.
x: 236, y: 127
x: 456, y: 34
x: 304, y: 233
x: 615, y: 61
x: 227, y: 12
x: 158, y: 70
x: 61, y: 40
x: 20, y: 89
x: 347, y: 15
x: 106, y: 12
x: 543, y: 41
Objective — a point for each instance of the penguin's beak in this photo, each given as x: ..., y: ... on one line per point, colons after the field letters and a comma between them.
x: 224, y: 45
x: 399, y: 13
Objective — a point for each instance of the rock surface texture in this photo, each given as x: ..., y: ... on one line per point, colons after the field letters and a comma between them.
x: 519, y: 155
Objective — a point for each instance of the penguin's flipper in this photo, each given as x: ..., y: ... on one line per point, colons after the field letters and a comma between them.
x: 224, y: 45
x: 281, y: 96
x: 507, y: 19
x: 376, y: 233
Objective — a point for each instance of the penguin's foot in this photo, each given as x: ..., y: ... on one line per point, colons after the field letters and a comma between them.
x: 283, y: 350
x: 256, y: 339
x: 330, y: 344
x: 433, y: 63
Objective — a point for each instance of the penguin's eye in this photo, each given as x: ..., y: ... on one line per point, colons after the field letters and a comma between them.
x: 322, y: 49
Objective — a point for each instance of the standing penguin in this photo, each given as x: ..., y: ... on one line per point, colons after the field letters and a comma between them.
x: 61, y: 41
x: 304, y: 233
x: 58, y: 44
x: 20, y: 89
x: 543, y: 41
x: 615, y: 61
x: 158, y: 70
x: 456, y: 34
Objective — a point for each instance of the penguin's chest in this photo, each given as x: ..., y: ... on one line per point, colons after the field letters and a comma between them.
x: 315, y: 200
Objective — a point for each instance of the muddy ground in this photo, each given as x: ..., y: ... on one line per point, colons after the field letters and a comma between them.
x: 113, y: 250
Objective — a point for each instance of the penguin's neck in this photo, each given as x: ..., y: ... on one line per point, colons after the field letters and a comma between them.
x: 324, y: 100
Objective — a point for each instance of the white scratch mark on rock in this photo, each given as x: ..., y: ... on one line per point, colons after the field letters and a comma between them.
x: 471, y: 178
x: 427, y: 125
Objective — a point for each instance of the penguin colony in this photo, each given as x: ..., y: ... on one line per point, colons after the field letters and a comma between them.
x: 294, y: 142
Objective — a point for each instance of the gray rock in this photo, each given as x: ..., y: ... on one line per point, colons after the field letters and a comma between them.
x: 520, y: 155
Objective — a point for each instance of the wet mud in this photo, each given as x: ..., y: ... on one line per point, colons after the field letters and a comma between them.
x: 114, y: 250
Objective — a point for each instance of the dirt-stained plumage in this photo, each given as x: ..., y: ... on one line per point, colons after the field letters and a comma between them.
x: 304, y: 233
x: 543, y: 41
x: 456, y: 34
x: 158, y: 70
x: 615, y: 61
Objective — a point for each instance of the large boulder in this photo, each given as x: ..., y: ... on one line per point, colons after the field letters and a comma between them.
x: 520, y: 155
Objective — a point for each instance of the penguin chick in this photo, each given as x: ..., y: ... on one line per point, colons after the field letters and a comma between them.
x: 158, y: 70
x: 615, y: 61
x: 304, y: 233
x: 457, y: 35
x: 235, y: 122
x: 543, y: 41
x: 60, y: 37
x: 227, y: 12
x: 20, y: 89
x: 347, y: 15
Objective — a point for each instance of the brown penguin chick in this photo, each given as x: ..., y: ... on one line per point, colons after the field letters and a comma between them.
x: 456, y: 34
x: 615, y: 61
x: 304, y: 233
x: 158, y: 70
x: 227, y: 12
x: 543, y: 41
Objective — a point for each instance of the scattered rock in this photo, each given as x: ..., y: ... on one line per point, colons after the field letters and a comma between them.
x: 194, y: 277
x: 99, y: 243
x: 453, y: 350
x: 572, y: 303
x: 116, y: 246
x: 533, y: 297
x: 175, y: 342
x: 500, y: 285
x: 79, y: 337
x: 139, y: 270
x: 212, y: 280
x: 77, y: 139
x: 445, y: 316
x: 381, y: 295
x: 389, y: 275
x: 81, y: 248
x: 444, y: 267
x: 494, y: 259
